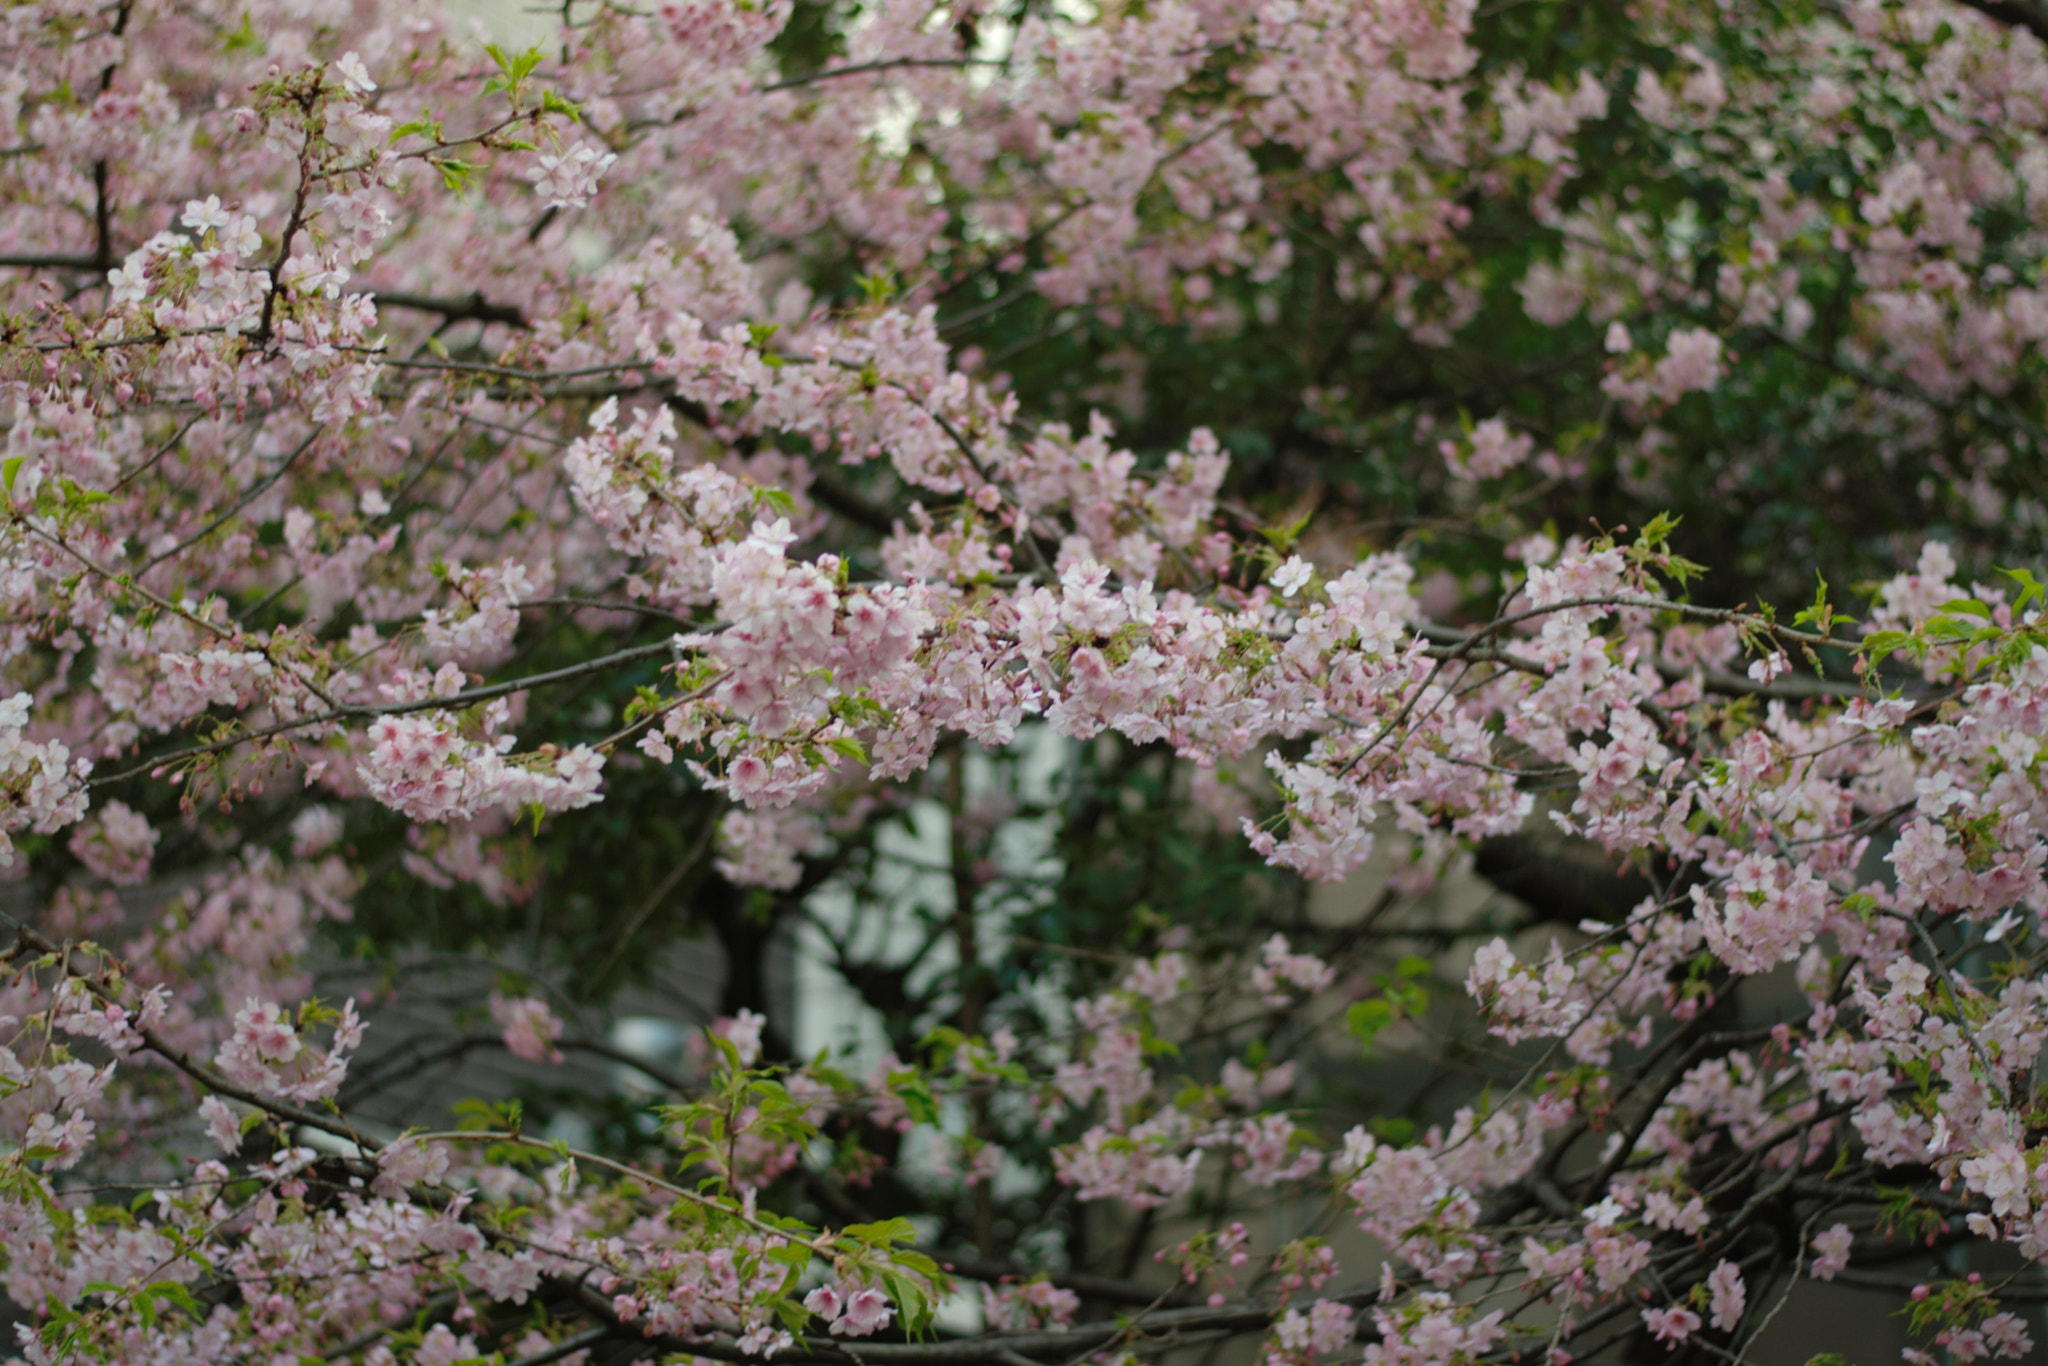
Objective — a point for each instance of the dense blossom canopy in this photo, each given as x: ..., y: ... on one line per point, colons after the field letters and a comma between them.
x: 372, y: 394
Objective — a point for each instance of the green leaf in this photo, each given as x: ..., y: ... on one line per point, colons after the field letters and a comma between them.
x: 1366, y: 1019
x: 882, y: 1234
x: 1282, y: 537
x: 1395, y: 1129
x: 11, y: 468
x: 455, y: 172
x: 917, y: 1101
x: 1968, y: 606
x: 1820, y: 616
x: 2032, y: 590
x: 879, y: 286
x: 244, y: 38
x: 172, y: 1291
x: 1658, y: 530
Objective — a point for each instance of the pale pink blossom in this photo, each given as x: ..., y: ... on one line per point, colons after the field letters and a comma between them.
x: 530, y: 1027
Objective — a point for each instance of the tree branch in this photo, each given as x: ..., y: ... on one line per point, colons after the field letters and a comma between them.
x: 179, y: 1059
x: 1109, y: 1288
x: 989, y: 1350
x: 475, y: 308
x: 49, y: 262
x: 887, y: 64
x: 842, y: 498
x: 367, y: 711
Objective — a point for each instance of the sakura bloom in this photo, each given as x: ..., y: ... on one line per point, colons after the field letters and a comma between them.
x: 395, y: 504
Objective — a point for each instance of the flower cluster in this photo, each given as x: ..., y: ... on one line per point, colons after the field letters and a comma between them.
x: 523, y: 417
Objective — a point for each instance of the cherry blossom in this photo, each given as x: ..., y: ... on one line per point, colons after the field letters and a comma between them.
x: 454, y: 474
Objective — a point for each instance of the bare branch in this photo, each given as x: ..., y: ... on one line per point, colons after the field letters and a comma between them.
x: 475, y: 308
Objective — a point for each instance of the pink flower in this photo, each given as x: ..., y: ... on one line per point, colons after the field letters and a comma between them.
x: 2006, y: 1335
x: 867, y: 1310
x: 1282, y: 973
x: 743, y: 1032
x: 568, y: 181
x: 117, y: 845
x: 1330, y: 1327
x: 1831, y: 1247
x: 1158, y: 980
x: 262, y: 1035
x: 65, y: 1141
x: 407, y: 1163
x: 1692, y: 362
x: 1031, y: 1305
x: 826, y: 1302
x: 530, y: 1028
x: 2000, y: 1175
x: 1726, y: 1295
x: 850, y: 1310
x: 1491, y: 451
x: 443, y: 1348
x: 223, y: 1125
x: 1672, y: 1326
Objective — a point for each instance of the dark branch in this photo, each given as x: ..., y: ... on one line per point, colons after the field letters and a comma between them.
x: 848, y: 503
x: 888, y: 64
x: 1108, y: 1288
x: 49, y: 262
x: 992, y: 1350
x: 474, y: 308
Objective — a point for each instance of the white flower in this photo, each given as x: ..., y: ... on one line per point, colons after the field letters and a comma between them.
x: 240, y: 235
x: 581, y: 766
x: 1290, y: 578
x: 1608, y: 1212
x: 202, y: 216
x: 355, y: 77
x: 130, y: 283
x: 567, y: 182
